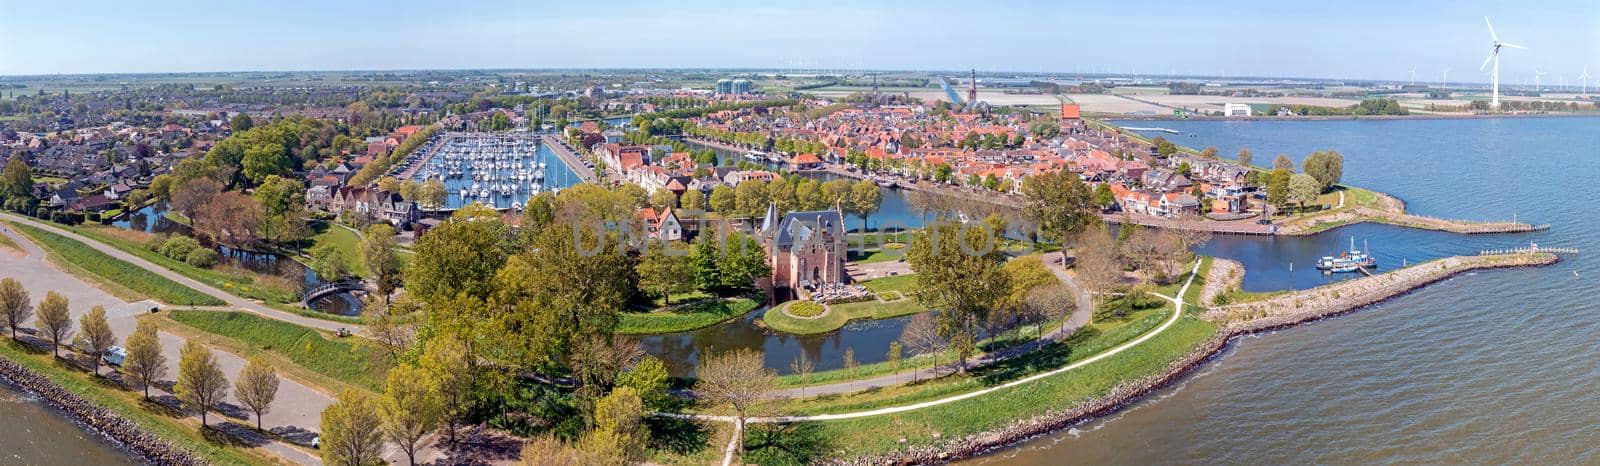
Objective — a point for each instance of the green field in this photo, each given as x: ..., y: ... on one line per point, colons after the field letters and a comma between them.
x: 702, y: 314
x: 107, y: 269
x: 838, y: 315
x: 180, y: 431
x: 349, y: 360
x: 348, y: 243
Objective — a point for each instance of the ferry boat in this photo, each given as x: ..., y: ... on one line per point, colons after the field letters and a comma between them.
x: 1348, y: 261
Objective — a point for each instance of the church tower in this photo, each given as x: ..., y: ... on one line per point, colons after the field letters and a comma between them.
x: 972, y: 89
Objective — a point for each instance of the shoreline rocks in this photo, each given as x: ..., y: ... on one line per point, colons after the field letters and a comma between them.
x: 1130, y: 392
x: 124, y: 433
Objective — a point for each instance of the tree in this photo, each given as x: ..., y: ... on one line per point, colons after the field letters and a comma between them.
x: 15, y: 304
x: 1244, y: 157
x: 1278, y: 187
x: 230, y: 217
x: 1303, y: 188
x: 742, y: 262
x: 351, y: 433
x: 144, y: 364
x: 1095, y: 261
x: 693, y: 200
x: 409, y: 408
x: 704, y: 258
x: 724, y: 200
x: 379, y: 258
x: 55, y: 320
x: 189, y: 197
x: 896, y: 351
x: 1059, y: 203
x: 649, y: 379
x: 201, y: 383
x: 921, y: 334
x: 1283, y: 162
x: 619, y: 436
x: 446, y: 364
x: 240, y: 122
x: 459, y: 256
x: 802, y: 367
x: 432, y: 193
x: 662, y: 274
x: 864, y: 199
x: 261, y: 161
x: 96, y: 334
x: 1055, y: 301
x: 257, y: 387
x: 386, y: 323
x: 738, y: 381
x: 328, y: 262
x: 16, y: 184
x: 547, y: 450
x: 1165, y: 147
x: 664, y: 199
x: 959, y: 273
x: 1327, y: 167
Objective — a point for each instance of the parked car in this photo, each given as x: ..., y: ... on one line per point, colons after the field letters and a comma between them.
x: 114, y: 356
x: 316, y: 442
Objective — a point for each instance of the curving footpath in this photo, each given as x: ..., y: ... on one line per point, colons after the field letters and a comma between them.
x: 1079, y: 318
x: 234, y: 302
x: 1177, y: 313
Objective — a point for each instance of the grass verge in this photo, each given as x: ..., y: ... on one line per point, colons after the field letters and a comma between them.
x: 838, y: 315
x: 323, y: 360
x: 244, y: 283
x: 180, y: 431
x: 106, y: 269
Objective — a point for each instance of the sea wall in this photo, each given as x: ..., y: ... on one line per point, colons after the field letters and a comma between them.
x: 124, y: 432
x: 1129, y: 392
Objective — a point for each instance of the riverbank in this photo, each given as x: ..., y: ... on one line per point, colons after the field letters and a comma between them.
x: 570, y: 155
x: 1417, y: 116
x: 97, y: 419
x: 1335, y: 300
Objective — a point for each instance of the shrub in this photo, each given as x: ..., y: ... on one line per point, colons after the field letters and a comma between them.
x: 178, y: 247
x: 202, y: 257
x: 805, y: 309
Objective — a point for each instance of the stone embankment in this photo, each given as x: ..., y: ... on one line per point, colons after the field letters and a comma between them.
x: 98, y: 419
x: 1317, y: 224
x: 1224, y: 275
x: 1337, y: 298
x: 1242, y: 319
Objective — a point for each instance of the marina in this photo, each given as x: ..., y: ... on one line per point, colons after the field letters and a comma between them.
x: 500, y: 170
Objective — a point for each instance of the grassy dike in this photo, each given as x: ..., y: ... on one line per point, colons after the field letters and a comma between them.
x: 316, y: 357
x: 114, y: 274
x: 178, y: 430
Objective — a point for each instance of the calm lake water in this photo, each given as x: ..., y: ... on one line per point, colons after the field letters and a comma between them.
x: 33, y: 433
x: 1490, y: 367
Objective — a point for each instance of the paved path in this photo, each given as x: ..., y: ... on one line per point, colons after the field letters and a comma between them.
x: 295, y: 414
x: 570, y: 155
x: 1177, y: 313
x: 233, y: 302
x: 1079, y: 318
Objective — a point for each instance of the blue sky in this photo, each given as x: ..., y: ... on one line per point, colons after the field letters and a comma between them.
x: 1343, y: 39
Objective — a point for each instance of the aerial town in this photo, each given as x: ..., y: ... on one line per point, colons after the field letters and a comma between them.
x: 783, y: 265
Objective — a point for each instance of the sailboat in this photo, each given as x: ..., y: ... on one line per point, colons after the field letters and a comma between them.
x: 1348, y: 261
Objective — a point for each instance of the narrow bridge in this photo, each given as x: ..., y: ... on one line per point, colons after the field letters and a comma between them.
x: 330, y: 288
x: 1528, y: 250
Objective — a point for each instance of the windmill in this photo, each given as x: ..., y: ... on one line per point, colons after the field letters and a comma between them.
x: 1585, y: 77
x: 1444, y: 77
x: 1494, y: 56
x: 1536, y: 75
x: 1413, y: 75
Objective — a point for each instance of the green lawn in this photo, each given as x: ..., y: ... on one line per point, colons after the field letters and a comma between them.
x: 705, y: 313
x: 347, y: 241
x: 107, y: 269
x: 901, y: 283
x: 888, y: 253
x: 881, y: 434
x: 244, y: 283
x: 838, y: 315
x: 179, y: 431
x: 347, y: 360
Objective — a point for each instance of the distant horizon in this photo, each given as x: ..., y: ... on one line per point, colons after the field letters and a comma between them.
x: 956, y: 73
x: 1357, y: 40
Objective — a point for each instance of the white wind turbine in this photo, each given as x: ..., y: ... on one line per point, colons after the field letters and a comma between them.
x: 1413, y: 75
x: 1585, y: 77
x: 1494, y: 56
x: 1536, y: 75
x: 1444, y: 77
